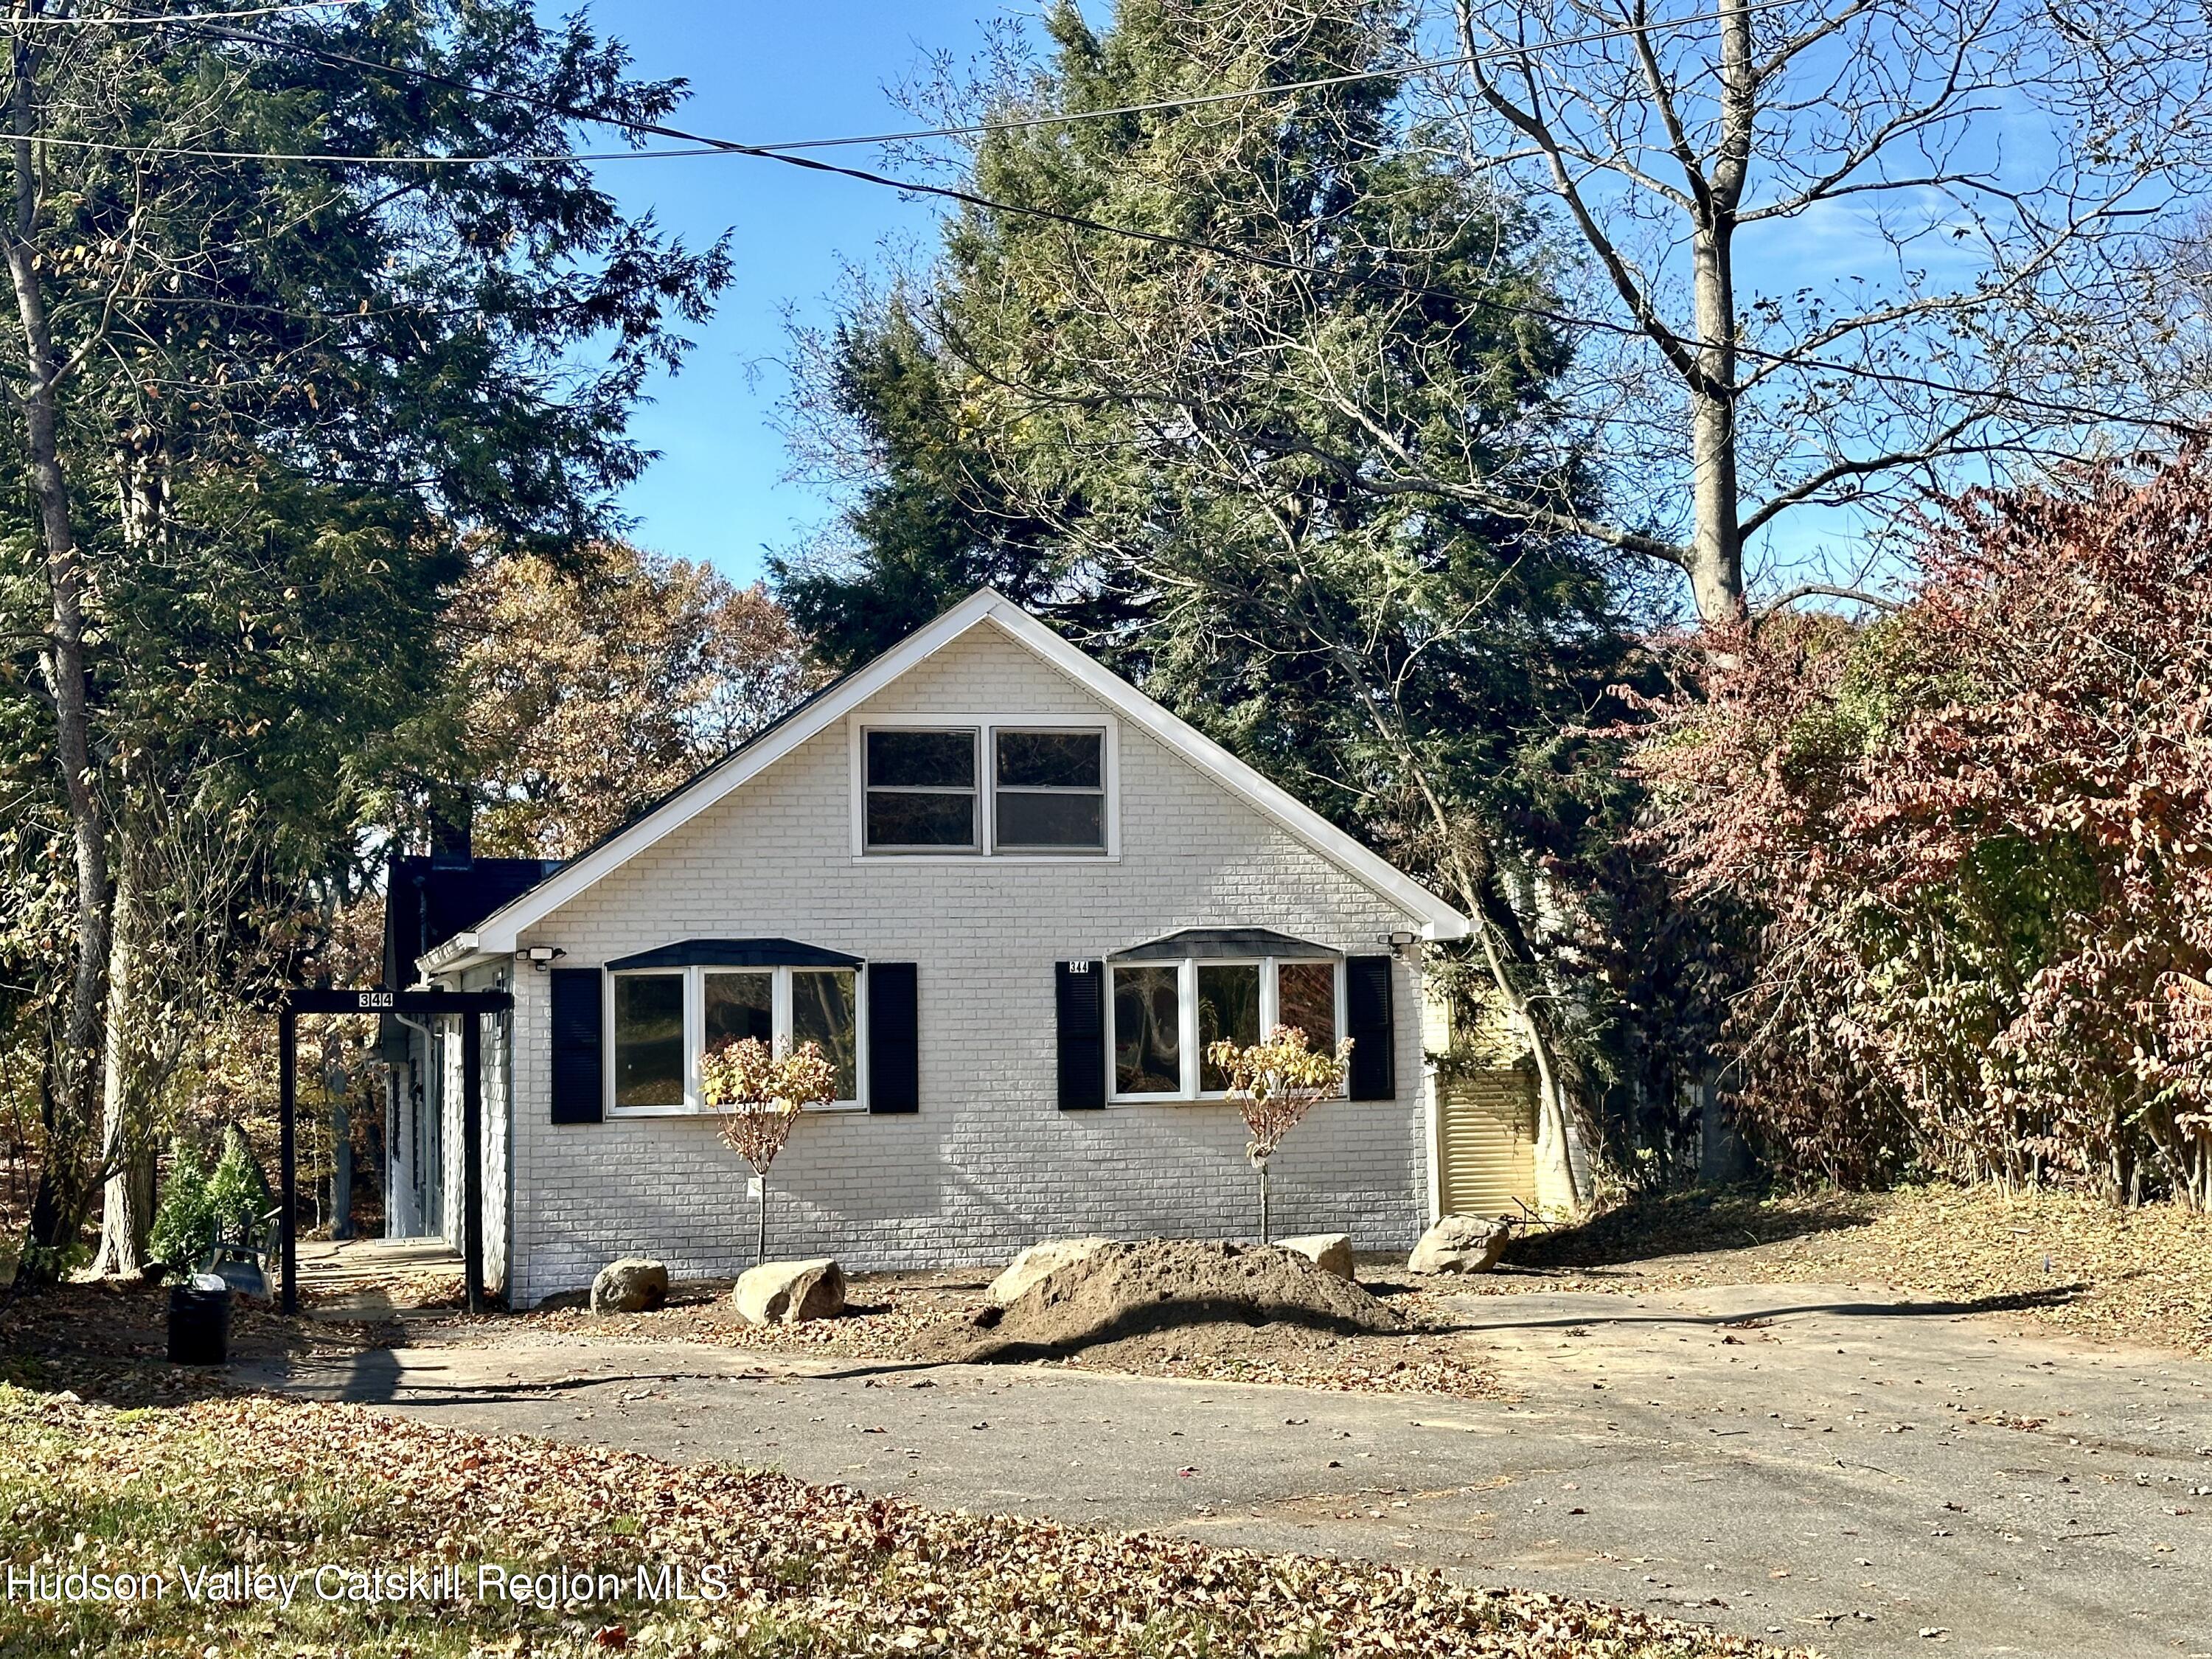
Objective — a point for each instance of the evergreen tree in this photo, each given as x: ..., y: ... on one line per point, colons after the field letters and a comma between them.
x: 263, y: 403
x: 929, y: 526
x: 1175, y: 419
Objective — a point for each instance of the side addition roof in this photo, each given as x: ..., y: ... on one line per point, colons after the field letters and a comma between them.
x: 496, y: 934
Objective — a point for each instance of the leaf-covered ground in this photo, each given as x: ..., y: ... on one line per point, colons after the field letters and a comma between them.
x: 108, y: 1339
x: 2135, y: 1276
x: 2139, y: 1276
x: 285, y: 1487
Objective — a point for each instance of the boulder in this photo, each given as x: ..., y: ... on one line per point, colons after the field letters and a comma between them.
x: 636, y: 1284
x: 1459, y: 1244
x: 791, y: 1292
x: 1330, y: 1252
x: 1036, y: 1262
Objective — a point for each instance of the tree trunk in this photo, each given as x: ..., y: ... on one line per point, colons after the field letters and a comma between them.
x: 1551, y: 1150
x: 1554, y: 1157
x: 760, y: 1248
x: 64, y: 1193
x: 1717, y: 539
x: 341, y: 1169
x: 1264, y: 1238
x: 1716, y: 544
x: 126, y: 1146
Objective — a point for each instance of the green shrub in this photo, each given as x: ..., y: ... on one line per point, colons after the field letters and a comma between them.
x: 197, y: 1207
x: 236, y: 1189
x: 184, y: 1222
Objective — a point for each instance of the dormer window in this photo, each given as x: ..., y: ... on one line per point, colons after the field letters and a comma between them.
x: 1033, y: 788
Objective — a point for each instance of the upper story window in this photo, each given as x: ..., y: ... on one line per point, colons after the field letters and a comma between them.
x: 921, y: 792
x: 1050, y: 792
x: 1039, y: 789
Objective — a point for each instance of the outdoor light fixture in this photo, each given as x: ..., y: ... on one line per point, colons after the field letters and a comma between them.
x: 543, y: 956
x: 1400, y: 940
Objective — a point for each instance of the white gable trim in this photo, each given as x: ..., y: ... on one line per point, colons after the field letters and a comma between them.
x: 496, y: 934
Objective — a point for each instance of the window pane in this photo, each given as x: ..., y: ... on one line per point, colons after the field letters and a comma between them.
x: 1051, y: 820
x: 1228, y: 1006
x: 648, y: 1039
x: 737, y: 1007
x: 1052, y: 760
x: 1147, y: 1031
x: 1305, y: 996
x: 823, y: 1005
x: 938, y: 759
x: 899, y: 819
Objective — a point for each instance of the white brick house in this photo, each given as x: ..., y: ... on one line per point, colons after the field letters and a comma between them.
x: 1005, y: 890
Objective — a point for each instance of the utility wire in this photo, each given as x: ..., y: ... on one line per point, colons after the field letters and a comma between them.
x: 112, y: 18
x: 1421, y: 66
x: 977, y: 129
x: 706, y: 145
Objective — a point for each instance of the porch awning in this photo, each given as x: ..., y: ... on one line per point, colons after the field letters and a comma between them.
x: 1233, y: 943
x: 737, y: 953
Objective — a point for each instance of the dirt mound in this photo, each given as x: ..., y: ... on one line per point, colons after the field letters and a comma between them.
x: 1202, y: 1293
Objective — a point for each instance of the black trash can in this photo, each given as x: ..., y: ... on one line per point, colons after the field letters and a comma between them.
x: 199, y: 1321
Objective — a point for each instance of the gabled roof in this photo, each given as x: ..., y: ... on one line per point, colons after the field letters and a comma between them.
x: 496, y: 934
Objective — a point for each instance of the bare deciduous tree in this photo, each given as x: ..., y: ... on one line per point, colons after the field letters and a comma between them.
x: 1837, y: 248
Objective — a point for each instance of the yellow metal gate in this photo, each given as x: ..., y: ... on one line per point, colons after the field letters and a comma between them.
x: 1486, y: 1142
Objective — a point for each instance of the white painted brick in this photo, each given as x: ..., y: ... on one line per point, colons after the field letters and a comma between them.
x: 989, y: 1164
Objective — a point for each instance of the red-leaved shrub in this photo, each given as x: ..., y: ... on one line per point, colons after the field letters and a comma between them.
x: 1978, y: 833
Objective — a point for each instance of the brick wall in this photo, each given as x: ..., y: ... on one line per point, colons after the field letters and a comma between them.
x: 989, y: 1164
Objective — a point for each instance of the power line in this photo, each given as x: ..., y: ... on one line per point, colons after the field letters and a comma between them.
x: 1009, y: 124
x: 1399, y: 71
x: 79, y: 21
x: 699, y: 143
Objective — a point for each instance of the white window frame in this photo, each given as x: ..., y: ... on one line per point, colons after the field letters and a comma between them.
x: 694, y: 1028
x: 1186, y: 1017
x: 986, y: 728
x: 979, y: 816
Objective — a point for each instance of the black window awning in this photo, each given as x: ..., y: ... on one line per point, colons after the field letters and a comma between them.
x: 1234, y: 943
x: 736, y: 953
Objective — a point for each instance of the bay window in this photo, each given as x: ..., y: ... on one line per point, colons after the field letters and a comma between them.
x: 1164, y: 1014
x: 663, y: 1019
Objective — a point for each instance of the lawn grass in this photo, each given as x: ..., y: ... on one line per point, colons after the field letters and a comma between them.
x: 291, y: 1487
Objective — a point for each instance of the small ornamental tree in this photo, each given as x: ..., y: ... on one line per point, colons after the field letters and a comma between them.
x: 1275, y: 1084
x: 764, y: 1093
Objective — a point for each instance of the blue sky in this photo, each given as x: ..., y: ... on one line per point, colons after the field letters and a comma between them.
x: 777, y: 71
x: 762, y: 72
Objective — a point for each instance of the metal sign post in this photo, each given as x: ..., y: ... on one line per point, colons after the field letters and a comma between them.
x: 472, y: 1006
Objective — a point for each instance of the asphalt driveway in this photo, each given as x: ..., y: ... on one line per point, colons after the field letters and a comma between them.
x: 1822, y: 1464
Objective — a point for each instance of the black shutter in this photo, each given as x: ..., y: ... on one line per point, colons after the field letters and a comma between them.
x: 1373, y: 1074
x: 1080, y: 988
x: 894, y: 1050
x: 579, y: 1079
